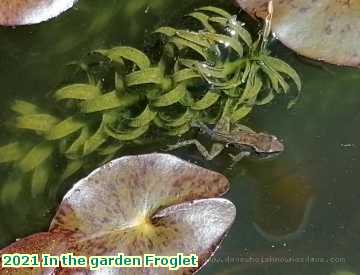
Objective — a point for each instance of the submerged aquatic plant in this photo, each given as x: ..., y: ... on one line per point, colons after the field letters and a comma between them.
x: 202, y: 75
x: 147, y: 204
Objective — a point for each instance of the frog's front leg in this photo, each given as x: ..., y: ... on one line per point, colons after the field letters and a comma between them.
x: 236, y: 158
x: 215, y: 150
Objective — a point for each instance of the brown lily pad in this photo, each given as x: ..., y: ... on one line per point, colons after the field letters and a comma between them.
x: 324, y: 30
x: 25, y: 12
x: 148, y: 204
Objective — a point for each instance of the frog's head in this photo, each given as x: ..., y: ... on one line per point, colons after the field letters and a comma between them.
x: 268, y: 144
x: 275, y: 145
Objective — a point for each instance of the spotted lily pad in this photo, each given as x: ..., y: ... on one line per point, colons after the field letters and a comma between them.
x: 314, y: 28
x: 136, y: 205
x: 25, y: 12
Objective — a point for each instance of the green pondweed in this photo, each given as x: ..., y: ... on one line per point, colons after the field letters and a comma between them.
x: 201, y: 75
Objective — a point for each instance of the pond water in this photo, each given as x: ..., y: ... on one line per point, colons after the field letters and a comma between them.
x: 301, y: 207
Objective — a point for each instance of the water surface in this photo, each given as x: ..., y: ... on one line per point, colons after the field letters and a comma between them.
x: 321, y: 134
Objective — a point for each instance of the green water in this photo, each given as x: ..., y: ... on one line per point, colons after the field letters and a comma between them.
x: 321, y: 134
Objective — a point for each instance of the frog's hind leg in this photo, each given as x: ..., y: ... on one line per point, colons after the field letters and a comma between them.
x: 215, y: 150
x: 238, y: 157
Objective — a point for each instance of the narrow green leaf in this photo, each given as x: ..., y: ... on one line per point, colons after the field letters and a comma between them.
x: 11, y: 189
x: 37, y: 155
x: 235, y: 28
x: 12, y: 152
x: 209, y: 99
x: 203, y: 19
x: 171, y: 97
x: 77, y: 91
x: 111, y: 149
x: 186, y: 117
x: 97, y: 139
x: 147, y: 76
x: 72, y: 167
x: 216, y: 10
x: 252, y: 89
x: 128, y: 135
x: 193, y: 37
x: 144, y: 118
x: 240, y: 113
x: 24, y: 108
x: 181, y: 43
x: 75, y: 150
x: 168, y: 31
x: 179, y: 131
x: 282, y: 67
x: 40, y: 179
x: 108, y: 101
x: 185, y: 74
x: 187, y: 100
x: 267, y: 99
x: 134, y: 55
x: 36, y: 122
x: 226, y: 41
x: 65, y: 128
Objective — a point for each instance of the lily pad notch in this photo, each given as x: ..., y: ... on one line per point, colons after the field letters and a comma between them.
x: 136, y: 205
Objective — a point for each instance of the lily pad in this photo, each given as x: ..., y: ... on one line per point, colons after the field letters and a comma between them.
x: 25, y: 12
x: 314, y: 28
x: 136, y: 205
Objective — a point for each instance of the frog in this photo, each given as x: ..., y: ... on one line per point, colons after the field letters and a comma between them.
x: 247, y: 141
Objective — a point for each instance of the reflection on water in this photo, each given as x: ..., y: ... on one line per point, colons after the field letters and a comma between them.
x: 301, y: 207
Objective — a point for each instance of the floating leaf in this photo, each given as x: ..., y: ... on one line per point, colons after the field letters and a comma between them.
x: 77, y: 91
x: 24, y: 108
x: 65, y: 128
x: 108, y: 101
x: 315, y: 30
x: 37, y: 155
x: 36, y: 122
x: 20, y: 12
x: 149, y: 204
x: 134, y: 55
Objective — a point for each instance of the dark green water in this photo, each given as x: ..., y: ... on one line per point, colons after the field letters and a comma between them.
x: 318, y: 174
